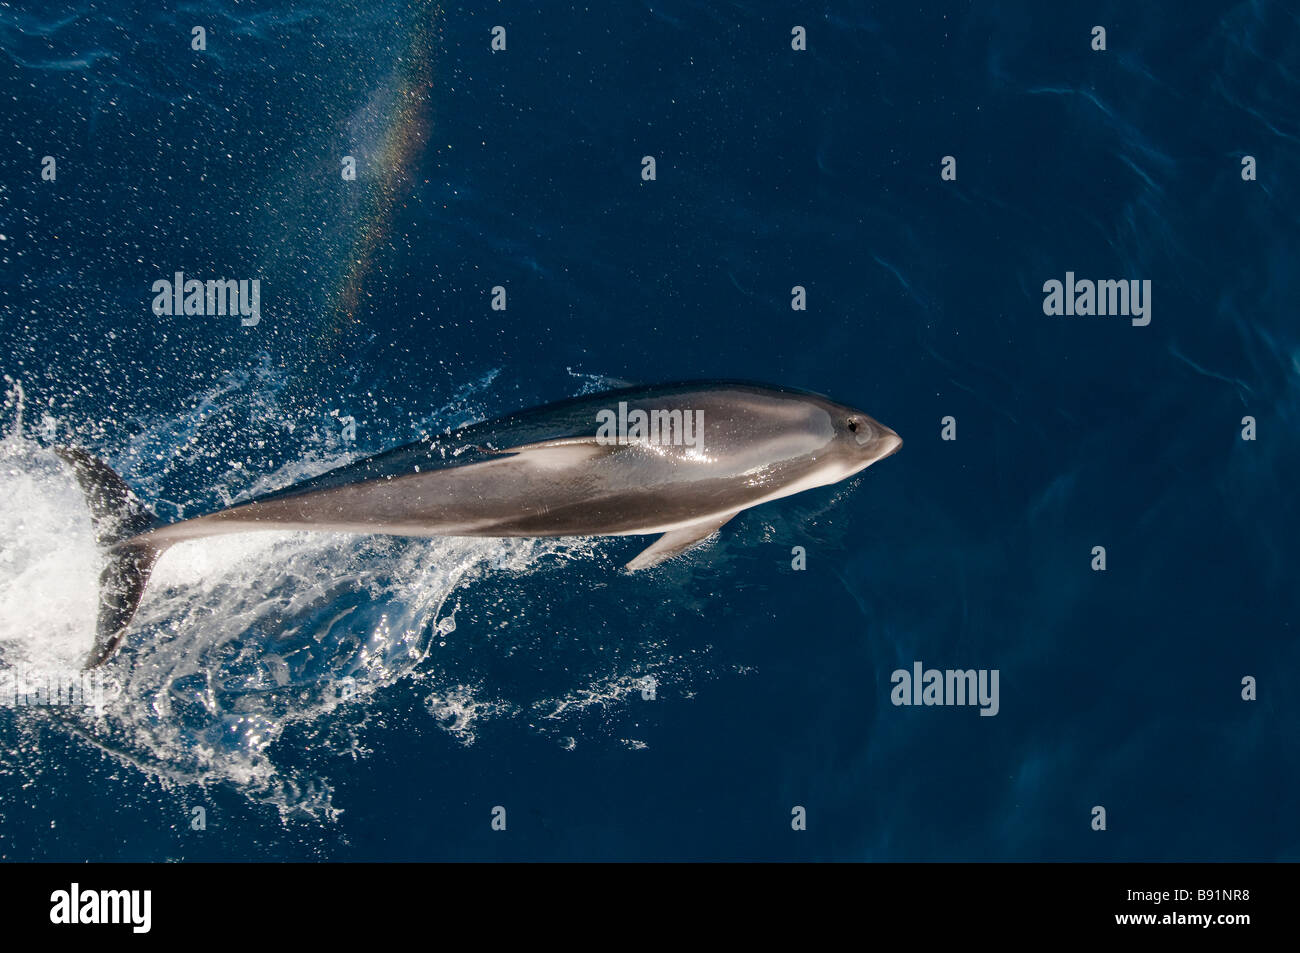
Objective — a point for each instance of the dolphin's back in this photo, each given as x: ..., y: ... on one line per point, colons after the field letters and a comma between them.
x: 543, y: 473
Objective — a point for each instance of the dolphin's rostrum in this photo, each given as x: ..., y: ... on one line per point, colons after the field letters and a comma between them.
x: 549, y: 471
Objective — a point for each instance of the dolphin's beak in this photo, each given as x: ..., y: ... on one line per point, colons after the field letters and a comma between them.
x: 888, y: 444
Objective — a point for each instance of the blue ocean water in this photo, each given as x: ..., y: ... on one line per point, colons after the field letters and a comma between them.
x: 511, y: 674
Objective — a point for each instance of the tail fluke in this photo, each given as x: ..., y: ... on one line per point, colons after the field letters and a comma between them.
x: 119, y: 516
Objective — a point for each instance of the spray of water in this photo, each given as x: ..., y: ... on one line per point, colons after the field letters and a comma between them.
x: 240, y: 638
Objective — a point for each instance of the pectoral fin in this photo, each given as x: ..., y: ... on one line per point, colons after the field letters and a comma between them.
x: 678, y: 541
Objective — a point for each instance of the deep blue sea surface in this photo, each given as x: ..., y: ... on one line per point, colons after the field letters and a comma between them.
x: 510, y: 673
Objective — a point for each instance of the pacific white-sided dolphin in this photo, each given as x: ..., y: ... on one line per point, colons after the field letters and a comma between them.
x: 677, y: 459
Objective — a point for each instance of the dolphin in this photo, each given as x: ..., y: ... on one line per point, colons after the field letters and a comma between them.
x: 677, y: 460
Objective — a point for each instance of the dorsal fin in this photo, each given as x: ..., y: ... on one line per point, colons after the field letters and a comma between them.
x: 565, y: 451
x: 586, y: 440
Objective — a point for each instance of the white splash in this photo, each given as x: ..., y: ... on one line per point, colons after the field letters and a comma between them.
x: 241, y: 638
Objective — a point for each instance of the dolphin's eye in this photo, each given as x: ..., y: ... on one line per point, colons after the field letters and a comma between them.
x: 853, y: 424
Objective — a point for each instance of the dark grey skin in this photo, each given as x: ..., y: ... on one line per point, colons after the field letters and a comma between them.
x: 540, y: 472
